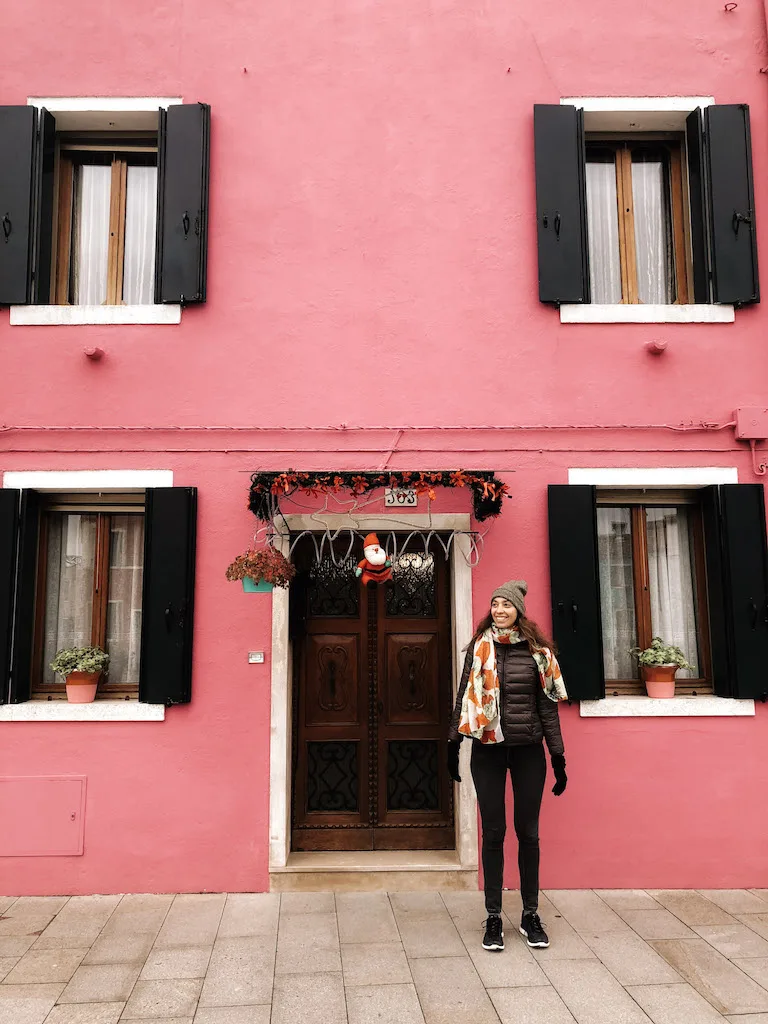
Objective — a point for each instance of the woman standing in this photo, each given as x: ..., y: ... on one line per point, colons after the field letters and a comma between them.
x: 507, y: 703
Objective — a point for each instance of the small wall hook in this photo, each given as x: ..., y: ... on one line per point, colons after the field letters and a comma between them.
x: 656, y: 347
x: 730, y: 7
x: 94, y: 353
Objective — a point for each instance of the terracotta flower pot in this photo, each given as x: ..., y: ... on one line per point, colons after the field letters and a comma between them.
x: 81, y: 687
x: 660, y: 680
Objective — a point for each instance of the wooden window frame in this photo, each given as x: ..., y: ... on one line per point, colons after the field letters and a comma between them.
x: 69, y: 153
x: 103, y: 507
x: 623, y: 147
x: 637, y: 505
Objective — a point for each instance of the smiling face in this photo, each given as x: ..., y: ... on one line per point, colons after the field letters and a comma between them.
x: 503, y: 613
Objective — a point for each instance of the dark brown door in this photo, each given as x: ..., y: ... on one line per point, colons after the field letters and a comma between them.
x: 372, y: 698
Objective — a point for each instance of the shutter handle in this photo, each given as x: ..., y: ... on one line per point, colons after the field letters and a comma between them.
x: 182, y: 614
x: 168, y: 613
x: 574, y: 613
x: 561, y: 607
x: 740, y: 218
x: 557, y: 226
x: 753, y: 609
x: 185, y: 223
x: 7, y: 227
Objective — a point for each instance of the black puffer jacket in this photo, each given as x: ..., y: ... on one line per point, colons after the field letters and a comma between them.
x: 527, y: 713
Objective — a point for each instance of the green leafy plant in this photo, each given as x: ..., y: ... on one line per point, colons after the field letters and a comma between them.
x: 266, y: 564
x: 660, y: 653
x: 80, y: 659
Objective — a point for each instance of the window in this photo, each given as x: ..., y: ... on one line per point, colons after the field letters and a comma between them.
x: 106, y: 222
x: 89, y: 589
x: 636, y: 220
x: 652, y: 583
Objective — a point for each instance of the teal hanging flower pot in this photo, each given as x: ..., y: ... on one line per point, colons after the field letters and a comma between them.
x: 251, y: 586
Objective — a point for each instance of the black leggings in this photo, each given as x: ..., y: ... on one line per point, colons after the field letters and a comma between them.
x: 528, y: 769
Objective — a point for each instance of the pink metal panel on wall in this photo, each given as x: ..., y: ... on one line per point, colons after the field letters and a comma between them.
x: 42, y: 816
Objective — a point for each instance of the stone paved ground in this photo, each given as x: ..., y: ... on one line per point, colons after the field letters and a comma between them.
x: 617, y: 957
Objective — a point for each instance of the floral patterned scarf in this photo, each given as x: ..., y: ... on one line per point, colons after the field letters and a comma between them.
x: 481, y: 704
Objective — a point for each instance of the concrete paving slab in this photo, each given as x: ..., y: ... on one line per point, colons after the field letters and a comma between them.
x: 374, y: 964
x: 78, y: 923
x: 539, y: 1005
x: 735, y: 901
x: 176, y: 962
x: 308, y: 940
x: 103, y: 983
x: 233, y: 1015
x: 7, y: 963
x: 585, y: 911
x: 240, y: 972
x: 366, y: 917
x: 756, y: 968
x: 656, y: 924
x: 691, y: 907
x: 16, y: 945
x: 139, y: 914
x: 631, y: 960
x: 627, y: 899
x: 592, y: 994
x: 46, y: 966
x: 309, y: 998
x: 249, y: 914
x: 721, y: 983
x: 193, y: 920
x: 86, y: 1013
x: 120, y: 948
x: 27, y: 1004
x: 169, y: 998
x: 674, y: 1004
x: 308, y: 903
x: 450, y: 990
x: 757, y: 922
x: 733, y: 940
x: 6, y: 902
x: 383, y: 1004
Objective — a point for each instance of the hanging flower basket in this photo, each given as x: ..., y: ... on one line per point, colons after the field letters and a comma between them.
x: 261, y: 569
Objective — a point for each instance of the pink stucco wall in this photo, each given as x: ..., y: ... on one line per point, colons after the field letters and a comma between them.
x: 372, y: 262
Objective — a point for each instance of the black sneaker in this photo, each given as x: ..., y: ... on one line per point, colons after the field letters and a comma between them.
x: 531, y: 928
x: 494, y: 934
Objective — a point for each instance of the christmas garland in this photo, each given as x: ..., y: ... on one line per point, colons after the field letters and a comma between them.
x: 488, y: 491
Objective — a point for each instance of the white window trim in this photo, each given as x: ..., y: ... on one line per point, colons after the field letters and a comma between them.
x: 638, y: 104
x: 639, y: 313
x: 111, y: 104
x: 675, y: 476
x: 64, y: 316
x: 103, y: 480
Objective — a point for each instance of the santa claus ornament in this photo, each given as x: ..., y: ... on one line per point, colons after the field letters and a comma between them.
x: 375, y: 567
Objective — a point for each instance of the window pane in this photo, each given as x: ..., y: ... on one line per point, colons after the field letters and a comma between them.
x: 672, y: 580
x: 653, y: 226
x: 617, y: 595
x: 126, y: 576
x: 603, y: 226
x: 140, y: 217
x: 91, y: 234
x: 68, y: 585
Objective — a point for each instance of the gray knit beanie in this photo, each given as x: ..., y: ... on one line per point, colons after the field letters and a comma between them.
x: 514, y: 591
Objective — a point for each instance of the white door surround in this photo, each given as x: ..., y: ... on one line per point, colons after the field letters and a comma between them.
x: 281, y: 681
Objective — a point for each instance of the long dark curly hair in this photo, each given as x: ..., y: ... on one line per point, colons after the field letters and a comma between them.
x: 527, y: 628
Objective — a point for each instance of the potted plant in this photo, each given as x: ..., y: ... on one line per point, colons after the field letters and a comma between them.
x: 261, y: 569
x: 82, y: 668
x: 659, y: 664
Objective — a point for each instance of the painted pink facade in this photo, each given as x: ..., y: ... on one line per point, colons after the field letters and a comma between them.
x: 372, y: 263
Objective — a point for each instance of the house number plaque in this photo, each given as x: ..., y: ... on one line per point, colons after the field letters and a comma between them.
x: 402, y: 497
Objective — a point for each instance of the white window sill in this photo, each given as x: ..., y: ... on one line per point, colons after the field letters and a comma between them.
x: 649, y: 707
x: 598, y: 313
x: 97, y: 711
x: 63, y: 316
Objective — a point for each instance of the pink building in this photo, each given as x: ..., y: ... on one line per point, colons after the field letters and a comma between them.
x: 345, y: 282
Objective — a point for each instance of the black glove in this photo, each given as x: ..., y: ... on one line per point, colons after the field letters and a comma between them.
x: 453, y: 759
x: 561, y: 779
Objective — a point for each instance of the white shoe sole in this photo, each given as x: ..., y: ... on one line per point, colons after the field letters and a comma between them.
x: 494, y: 948
x: 533, y: 945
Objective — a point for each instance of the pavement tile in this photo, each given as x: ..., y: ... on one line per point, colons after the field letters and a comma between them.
x: 176, y: 962
x: 674, y: 1004
x: 106, y: 983
x: 6, y: 902
x: 308, y: 940
x: 193, y: 920
x: 139, y: 914
x: 27, y: 1004
x: 691, y: 907
x: 757, y: 922
x: 722, y: 984
x: 762, y: 893
x: 564, y: 942
x: 16, y: 945
x: 374, y: 964
x: 248, y: 914
x: 162, y: 1020
x: 120, y: 948
x: 514, y: 968
x: 175, y: 997
x: 735, y: 901
x: 417, y: 903
x: 627, y: 899
x: 383, y: 1004
x: 450, y: 991
x: 585, y: 911
x: 366, y: 917
x: 592, y: 994
x: 6, y: 965
x: 425, y: 926
x: 459, y: 904
x: 36, y: 906
x: 656, y: 924
x: 78, y: 923
x: 240, y: 973
x: 307, y: 903
x: 86, y: 1013
x: 755, y: 967
x: 233, y: 1015
x: 45, y: 966
x: 631, y: 960
x: 537, y: 1005
x: 309, y: 998
x: 25, y: 925
x: 749, y: 1018
x: 733, y: 940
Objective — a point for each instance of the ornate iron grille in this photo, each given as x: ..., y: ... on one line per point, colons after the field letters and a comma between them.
x: 413, y: 592
x: 332, y: 776
x: 333, y: 590
x: 412, y: 781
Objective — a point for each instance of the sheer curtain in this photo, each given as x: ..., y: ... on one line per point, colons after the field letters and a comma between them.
x: 140, y: 218
x: 617, y: 596
x: 126, y: 576
x: 603, y: 227
x: 69, y: 585
x: 91, y: 233
x: 653, y: 236
x: 672, y: 581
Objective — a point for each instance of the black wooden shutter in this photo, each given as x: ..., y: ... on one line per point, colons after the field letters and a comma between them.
x: 18, y: 143
x: 169, y: 591
x: 26, y: 584
x: 43, y: 223
x: 9, y: 535
x: 716, y: 591
x: 182, y: 223
x: 731, y: 201
x: 574, y: 574
x: 699, y: 210
x: 561, y: 207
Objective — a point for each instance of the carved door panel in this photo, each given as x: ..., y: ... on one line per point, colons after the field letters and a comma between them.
x: 372, y: 696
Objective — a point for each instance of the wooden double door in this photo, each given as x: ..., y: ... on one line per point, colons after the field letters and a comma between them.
x: 372, y: 702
